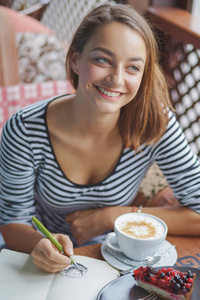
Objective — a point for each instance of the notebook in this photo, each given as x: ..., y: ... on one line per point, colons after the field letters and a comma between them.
x: 21, y: 280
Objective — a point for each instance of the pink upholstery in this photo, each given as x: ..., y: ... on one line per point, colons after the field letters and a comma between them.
x: 24, y: 23
x: 12, y: 98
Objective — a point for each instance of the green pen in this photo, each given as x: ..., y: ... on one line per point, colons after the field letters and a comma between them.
x: 40, y: 227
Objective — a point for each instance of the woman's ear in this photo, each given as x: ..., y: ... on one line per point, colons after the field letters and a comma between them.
x: 74, y: 62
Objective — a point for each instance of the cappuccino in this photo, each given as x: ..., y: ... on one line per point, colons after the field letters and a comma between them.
x: 141, y: 227
x: 137, y: 235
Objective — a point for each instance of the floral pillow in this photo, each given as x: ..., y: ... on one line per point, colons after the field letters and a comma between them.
x: 41, y: 57
x: 153, y: 182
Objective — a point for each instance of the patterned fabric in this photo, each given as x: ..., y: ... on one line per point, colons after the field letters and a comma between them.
x: 12, y: 98
x: 41, y: 57
x: 33, y: 182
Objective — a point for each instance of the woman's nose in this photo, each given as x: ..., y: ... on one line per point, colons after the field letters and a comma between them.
x: 115, y: 77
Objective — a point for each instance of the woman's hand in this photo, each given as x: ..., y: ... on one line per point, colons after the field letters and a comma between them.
x: 48, y: 259
x: 86, y: 224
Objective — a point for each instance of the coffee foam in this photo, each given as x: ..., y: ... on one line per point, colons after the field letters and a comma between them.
x: 141, y: 227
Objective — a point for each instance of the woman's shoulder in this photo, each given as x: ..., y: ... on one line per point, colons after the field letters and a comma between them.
x: 26, y: 117
x: 33, y: 111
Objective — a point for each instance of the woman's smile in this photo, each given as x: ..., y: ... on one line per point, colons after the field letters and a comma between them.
x: 109, y: 94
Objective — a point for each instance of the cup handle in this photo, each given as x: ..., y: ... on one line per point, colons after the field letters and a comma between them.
x: 108, y: 243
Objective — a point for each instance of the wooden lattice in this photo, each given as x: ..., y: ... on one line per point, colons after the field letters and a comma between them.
x: 183, y: 70
x: 63, y: 16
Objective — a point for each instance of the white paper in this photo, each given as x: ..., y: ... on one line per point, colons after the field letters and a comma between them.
x: 85, y: 287
x: 21, y: 280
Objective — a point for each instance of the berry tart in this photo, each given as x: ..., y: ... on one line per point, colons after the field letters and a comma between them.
x: 167, y: 283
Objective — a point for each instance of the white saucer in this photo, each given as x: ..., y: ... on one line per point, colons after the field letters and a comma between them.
x: 168, y: 257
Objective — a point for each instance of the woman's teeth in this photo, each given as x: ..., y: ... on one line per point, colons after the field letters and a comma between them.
x: 108, y: 93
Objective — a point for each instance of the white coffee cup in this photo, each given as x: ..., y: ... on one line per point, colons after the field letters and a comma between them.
x: 138, y: 235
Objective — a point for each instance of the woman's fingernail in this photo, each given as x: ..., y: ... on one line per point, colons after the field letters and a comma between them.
x: 70, y: 251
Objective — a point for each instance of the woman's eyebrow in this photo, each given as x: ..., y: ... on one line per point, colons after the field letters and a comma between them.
x: 139, y: 58
x: 103, y: 50
x: 108, y: 52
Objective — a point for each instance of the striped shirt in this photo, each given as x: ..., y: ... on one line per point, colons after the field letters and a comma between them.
x: 33, y: 183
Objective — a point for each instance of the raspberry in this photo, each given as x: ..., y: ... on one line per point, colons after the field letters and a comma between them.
x: 174, y: 273
x: 190, y: 280
x: 170, y: 270
x: 188, y: 286
x: 162, y: 283
x: 164, y: 270
x: 154, y: 279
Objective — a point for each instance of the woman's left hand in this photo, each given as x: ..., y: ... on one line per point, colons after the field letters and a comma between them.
x: 86, y: 224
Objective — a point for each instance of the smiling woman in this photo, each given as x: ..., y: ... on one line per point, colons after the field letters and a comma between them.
x: 77, y: 161
x: 150, y: 126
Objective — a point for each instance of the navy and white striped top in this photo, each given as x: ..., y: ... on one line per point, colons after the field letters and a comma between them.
x: 32, y: 182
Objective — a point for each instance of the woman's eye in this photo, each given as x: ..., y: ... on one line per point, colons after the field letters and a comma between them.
x: 102, y: 60
x: 134, y: 69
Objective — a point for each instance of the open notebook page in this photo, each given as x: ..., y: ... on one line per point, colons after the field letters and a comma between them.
x: 20, y: 279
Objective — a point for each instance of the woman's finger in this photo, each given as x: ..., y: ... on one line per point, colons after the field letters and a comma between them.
x: 67, y: 244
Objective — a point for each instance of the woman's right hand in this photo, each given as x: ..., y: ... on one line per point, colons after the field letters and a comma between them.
x: 48, y: 259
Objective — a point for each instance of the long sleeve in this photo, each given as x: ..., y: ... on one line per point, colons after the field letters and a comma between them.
x: 179, y: 165
x: 17, y: 173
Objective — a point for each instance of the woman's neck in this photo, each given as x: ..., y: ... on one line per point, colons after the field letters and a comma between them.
x: 90, y: 122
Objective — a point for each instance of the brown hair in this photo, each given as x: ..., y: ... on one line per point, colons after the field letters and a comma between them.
x: 143, y: 120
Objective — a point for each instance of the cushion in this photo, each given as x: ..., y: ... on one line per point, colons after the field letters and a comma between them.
x: 154, y: 190
x: 41, y: 57
x: 23, y: 36
x: 153, y: 182
x: 12, y: 98
x: 23, y: 23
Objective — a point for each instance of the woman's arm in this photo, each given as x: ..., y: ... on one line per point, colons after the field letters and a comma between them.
x: 89, y: 223
x: 20, y: 237
x: 180, y: 220
x: 18, y: 175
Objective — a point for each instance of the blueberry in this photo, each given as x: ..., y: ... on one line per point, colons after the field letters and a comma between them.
x: 180, y: 281
x: 162, y: 275
x: 150, y: 270
x: 184, y: 279
x: 173, y: 282
x: 184, y: 289
x: 177, y: 277
x: 147, y: 278
x: 176, y: 288
x: 189, y: 274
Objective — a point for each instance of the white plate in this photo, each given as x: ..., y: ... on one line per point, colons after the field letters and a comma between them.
x: 168, y: 257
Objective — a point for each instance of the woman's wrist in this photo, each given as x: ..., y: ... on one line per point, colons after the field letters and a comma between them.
x: 134, y: 209
x: 137, y: 209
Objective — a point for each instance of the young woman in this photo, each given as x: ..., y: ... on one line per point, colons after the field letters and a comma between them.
x: 77, y: 161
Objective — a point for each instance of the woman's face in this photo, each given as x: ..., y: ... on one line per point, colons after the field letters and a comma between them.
x: 111, y: 67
